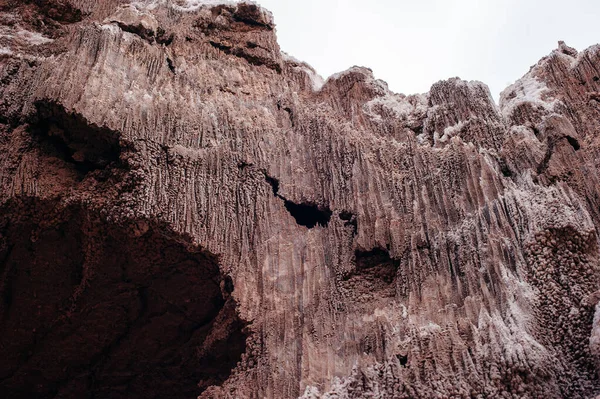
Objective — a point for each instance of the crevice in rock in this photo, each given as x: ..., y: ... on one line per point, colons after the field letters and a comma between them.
x: 306, y: 214
x: 220, y: 46
x: 288, y: 110
x: 92, y: 309
x: 138, y: 30
x: 418, y: 130
x: 241, y: 52
x: 504, y: 168
x: 147, y: 34
x: 171, y: 65
x: 290, y: 113
x: 274, y: 183
x: 350, y: 221
x: 574, y: 143
x: 72, y: 138
x: 403, y: 359
x: 256, y: 60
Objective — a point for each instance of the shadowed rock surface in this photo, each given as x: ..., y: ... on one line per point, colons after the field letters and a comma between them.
x: 185, y: 210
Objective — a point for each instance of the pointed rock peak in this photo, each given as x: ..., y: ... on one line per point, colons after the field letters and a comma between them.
x: 358, y: 74
x: 563, y: 48
x: 357, y: 79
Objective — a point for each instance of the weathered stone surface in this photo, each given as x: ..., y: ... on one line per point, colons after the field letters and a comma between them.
x: 185, y: 210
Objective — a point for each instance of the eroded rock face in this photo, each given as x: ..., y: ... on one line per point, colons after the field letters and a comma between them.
x: 186, y: 210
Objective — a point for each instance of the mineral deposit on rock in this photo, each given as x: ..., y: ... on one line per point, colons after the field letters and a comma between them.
x: 187, y: 211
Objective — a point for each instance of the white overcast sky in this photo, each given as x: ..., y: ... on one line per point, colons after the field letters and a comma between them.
x: 412, y: 44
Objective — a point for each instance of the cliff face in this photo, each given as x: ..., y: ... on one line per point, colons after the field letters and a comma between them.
x: 185, y: 210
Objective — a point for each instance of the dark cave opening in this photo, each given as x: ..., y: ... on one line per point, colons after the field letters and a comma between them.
x: 403, y: 359
x: 376, y: 264
x: 504, y: 168
x: 306, y: 214
x: 574, y: 143
x: 90, y: 310
x: 506, y: 172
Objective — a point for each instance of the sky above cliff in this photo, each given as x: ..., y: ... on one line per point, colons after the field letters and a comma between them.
x: 412, y: 44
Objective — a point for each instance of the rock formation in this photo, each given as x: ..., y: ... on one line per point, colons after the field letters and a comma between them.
x: 185, y: 210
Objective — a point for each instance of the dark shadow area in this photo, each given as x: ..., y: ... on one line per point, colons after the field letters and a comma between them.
x: 350, y: 221
x: 376, y: 264
x: 146, y: 34
x: 306, y: 214
x: 250, y: 14
x: 274, y: 183
x: 71, y: 138
x: 139, y: 30
x: 171, y: 65
x: 372, y: 279
x: 89, y: 309
x: 403, y: 359
x: 162, y: 37
x: 504, y: 168
x: 574, y: 143
x: 56, y: 10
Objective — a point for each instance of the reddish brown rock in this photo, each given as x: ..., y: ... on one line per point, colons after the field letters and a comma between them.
x: 185, y: 210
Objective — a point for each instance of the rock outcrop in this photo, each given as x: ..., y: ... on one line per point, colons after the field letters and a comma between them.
x: 185, y: 210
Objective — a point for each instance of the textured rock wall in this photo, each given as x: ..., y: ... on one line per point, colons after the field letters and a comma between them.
x: 187, y: 210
